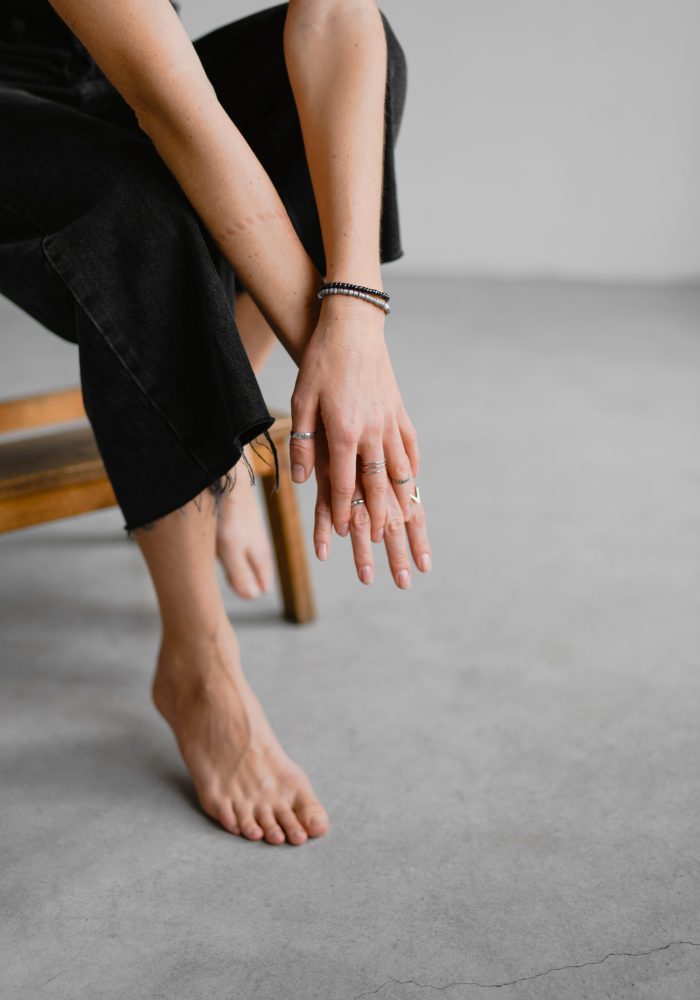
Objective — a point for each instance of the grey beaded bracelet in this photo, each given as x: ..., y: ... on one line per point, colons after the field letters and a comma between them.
x: 377, y: 298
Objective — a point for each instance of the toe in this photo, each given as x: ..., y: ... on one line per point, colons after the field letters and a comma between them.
x: 248, y: 826
x: 227, y: 817
x: 263, y: 569
x: 239, y: 572
x: 312, y: 815
x: 274, y: 834
x: 288, y: 820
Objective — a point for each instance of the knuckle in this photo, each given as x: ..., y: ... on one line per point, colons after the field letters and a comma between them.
x: 373, y: 430
x: 302, y: 446
x: 375, y: 484
x: 344, y: 491
x: 360, y: 517
x: 417, y: 515
x: 394, y: 527
x: 299, y: 401
x: 345, y: 435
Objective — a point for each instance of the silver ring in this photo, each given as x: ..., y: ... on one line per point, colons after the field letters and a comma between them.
x: 372, y: 468
x: 304, y: 435
x: 354, y: 503
x: 400, y: 482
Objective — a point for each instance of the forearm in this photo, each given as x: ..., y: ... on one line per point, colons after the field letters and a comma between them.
x: 143, y: 49
x: 239, y: 205
x: 336, y: 58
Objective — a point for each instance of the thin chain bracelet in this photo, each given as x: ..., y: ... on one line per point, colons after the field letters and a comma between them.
x: 380, y: 303
x: 358, y: 288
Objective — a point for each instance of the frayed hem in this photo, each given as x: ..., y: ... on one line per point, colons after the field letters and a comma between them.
x: 222, y: 485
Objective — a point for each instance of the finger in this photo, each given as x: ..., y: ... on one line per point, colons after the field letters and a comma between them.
x: 302, y: 451
x: 410, y: 442
x: 374, y: 484
x: 343, y: 467
x: 396, y: 548
x: 418, y: 539
x: 361, y: 541
x: 398, y: 468
x: 323, y: 523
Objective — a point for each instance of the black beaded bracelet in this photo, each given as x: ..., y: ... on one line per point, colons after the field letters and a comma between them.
x: 357, y: 288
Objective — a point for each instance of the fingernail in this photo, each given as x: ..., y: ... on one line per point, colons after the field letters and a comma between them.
x: 322, y: 551
x: 298, y: 473
x: 379, y: 535
x: 407, y: 512
x: 424, y: 562
x: 343, y: 529
x: 366, y: 574
x: 403, y: 579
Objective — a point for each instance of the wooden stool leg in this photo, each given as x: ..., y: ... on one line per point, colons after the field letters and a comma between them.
x: 290, y: 550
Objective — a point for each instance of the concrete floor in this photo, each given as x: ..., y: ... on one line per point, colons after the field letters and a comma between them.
x: 509, y: 752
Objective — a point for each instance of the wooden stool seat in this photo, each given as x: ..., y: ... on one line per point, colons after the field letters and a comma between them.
x: 59, y: 474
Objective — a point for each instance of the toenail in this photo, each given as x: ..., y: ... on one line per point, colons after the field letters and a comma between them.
x: 403, y: 579
x: 366, y: 574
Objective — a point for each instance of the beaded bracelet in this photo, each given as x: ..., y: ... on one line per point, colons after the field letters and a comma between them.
x: 374, y: 295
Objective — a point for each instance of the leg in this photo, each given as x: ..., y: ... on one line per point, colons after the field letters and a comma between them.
x: 242, y: 776
x: 242, y: 542
x: 170, y: 394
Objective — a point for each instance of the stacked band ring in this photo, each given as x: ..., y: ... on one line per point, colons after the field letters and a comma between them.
x: 372, y: 468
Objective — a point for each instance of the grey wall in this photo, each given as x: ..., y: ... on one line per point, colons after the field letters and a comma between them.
x: 546, y: 136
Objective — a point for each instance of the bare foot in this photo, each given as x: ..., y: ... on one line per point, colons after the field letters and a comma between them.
x: 242, y: 542
x: 242, y: 776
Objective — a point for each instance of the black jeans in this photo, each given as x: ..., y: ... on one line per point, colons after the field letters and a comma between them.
x: 99, y: 243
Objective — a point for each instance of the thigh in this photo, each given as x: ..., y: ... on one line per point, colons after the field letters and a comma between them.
x: 56, y: 164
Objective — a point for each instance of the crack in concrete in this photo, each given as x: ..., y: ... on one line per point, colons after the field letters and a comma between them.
x: 537, y: 975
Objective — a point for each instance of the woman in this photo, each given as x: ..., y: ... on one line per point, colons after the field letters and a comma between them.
x: 149, y: 187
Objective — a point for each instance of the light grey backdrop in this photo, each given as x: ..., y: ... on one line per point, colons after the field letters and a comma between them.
x: 547, y: 136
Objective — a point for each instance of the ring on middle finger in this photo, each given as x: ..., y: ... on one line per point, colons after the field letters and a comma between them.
x: 354, y: 503
x: 372, y: 468
x: 400, y: 482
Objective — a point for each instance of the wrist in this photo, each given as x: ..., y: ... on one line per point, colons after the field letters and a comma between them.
x: 344, y: 307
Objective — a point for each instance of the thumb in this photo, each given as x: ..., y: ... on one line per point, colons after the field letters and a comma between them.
x: 302, y: 450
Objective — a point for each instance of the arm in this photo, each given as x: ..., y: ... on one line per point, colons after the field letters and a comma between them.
x: 143, y: 49
x: 336, y: 55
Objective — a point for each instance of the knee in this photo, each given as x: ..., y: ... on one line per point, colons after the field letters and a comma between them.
x: 396, y: 67
x: 395, y: 53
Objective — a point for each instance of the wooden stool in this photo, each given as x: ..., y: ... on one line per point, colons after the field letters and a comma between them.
x: 49, y: 476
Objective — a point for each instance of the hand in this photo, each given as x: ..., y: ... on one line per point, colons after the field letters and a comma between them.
x: 396, y: 527
x: 396, y: 530
x: 346, y: 378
